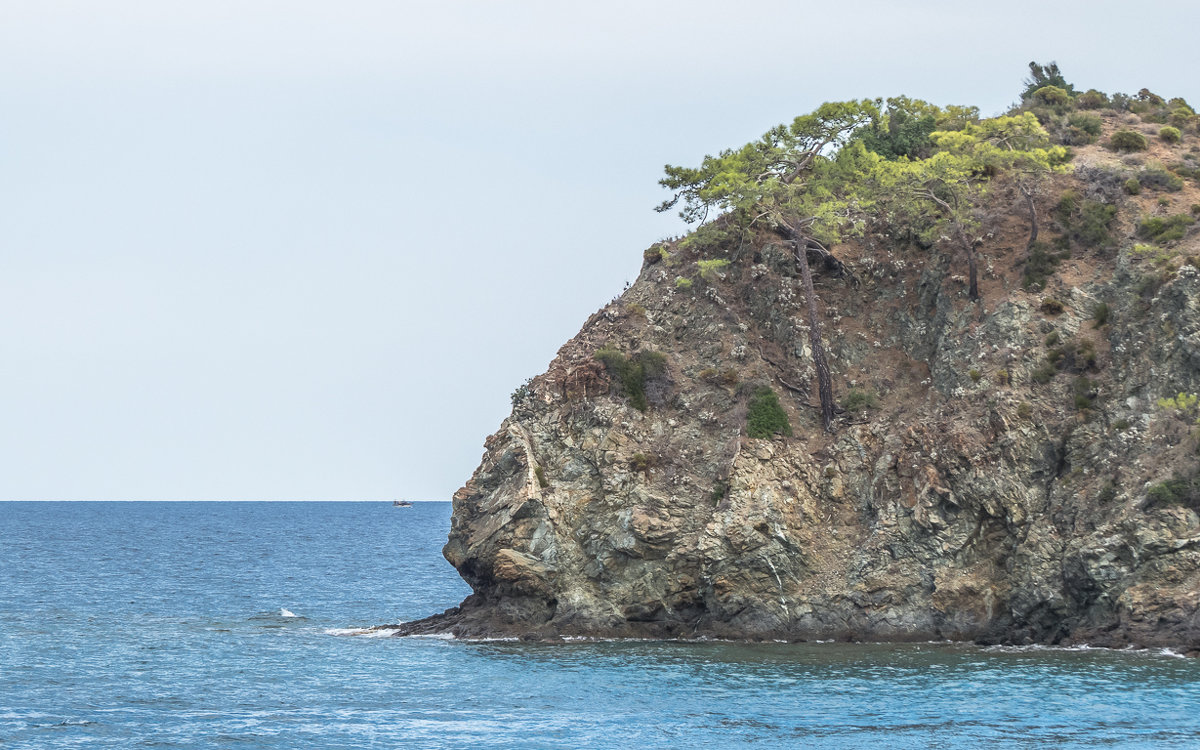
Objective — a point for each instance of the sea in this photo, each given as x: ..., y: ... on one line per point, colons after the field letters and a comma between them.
x: 240, y: 625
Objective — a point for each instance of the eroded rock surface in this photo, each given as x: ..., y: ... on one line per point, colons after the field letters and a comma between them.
x: 971, y: 502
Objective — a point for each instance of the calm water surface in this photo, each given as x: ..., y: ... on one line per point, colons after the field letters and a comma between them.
x: 206, y: 625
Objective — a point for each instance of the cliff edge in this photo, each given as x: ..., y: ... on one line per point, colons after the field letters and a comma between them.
x: 1017, y: 468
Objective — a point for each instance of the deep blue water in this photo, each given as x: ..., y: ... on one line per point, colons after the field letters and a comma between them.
x: 164, y: 625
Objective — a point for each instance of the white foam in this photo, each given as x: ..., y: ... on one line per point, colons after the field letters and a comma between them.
x: 1169, y: 652
x: 287, y: 613
x: 364, y: 632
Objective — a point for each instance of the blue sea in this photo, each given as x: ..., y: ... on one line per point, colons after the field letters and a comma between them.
x: 230, y: 625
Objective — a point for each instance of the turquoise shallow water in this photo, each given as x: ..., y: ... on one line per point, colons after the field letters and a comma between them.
x: 166, y: 625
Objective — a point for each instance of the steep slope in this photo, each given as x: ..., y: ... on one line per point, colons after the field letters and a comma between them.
x: 1001, y: 470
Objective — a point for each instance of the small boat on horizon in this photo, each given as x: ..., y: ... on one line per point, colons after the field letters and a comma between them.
x: 401, y: 504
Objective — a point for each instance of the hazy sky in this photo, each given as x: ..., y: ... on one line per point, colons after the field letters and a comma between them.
x: 286, y: 250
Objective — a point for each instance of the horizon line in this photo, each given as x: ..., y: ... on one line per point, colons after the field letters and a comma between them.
x: 207, y: 500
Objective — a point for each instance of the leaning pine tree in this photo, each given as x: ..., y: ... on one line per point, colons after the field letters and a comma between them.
x: 797, y: 179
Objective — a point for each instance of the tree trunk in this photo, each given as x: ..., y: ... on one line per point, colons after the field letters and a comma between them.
x: 972, y: 272
x: 824, y: 381
x: 967, y: 246
x: 1033, y: 220
x: 972, y: 265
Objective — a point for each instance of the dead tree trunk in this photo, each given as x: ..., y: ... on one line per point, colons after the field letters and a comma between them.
x: 824, y: 381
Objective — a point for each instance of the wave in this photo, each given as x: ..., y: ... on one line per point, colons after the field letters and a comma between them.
x: 1165, y: 651
x: 363, y: 632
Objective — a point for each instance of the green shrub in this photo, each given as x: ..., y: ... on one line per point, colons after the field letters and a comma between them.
x: 1164, y: 229
x: 641, y: 463
x: 1088, y: 123
x: 1185, y: 405
x: 652, y: 255
x: 1043, y: 373
x: 1051, y: 306
x: 719, y: 491
x: 711, y: 375
x: 1132, y: 186
x: 1107, y: 493
x: 1024, y: 410
x: 633, y: 309
x: 1196, y: 209
x: 1052, y: 338
x: 1169, y: 134
x: 1183, y: 119
x: 1186, y: 170
x: 1080, y: 355
x: 975, y: 375
x: 631, y: 373
x: 1068, y: 202
x: 1181, y: 489
x: 1052, y: 96
x: 1121, y: 424
x: 710, y: 268
x: 1092, y: 99
x: 1092, y: 226
x: 1149, y: 285
x: 1003, y: 377
x: 540, y: 473
x: 1074, y: 356
x: 1084, y: 392
x: 1081, y: 129
x: 1041, y: 265
x: 682, y: 283
x: 857, y: 400
x: 1100, y: 315
x: 1157, y: 178
x: 1128, y: 140
x: 765, y: 416
x: 522, y: 392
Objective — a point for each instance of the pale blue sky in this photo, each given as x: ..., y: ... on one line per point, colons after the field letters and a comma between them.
x: 273, y: 250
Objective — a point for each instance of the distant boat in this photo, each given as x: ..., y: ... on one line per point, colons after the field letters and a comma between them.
x: 401, y: 504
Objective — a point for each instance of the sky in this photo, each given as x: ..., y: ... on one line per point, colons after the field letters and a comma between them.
x: 273, y: 250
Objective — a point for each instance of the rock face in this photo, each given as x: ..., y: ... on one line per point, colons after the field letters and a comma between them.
x: 990, y: 477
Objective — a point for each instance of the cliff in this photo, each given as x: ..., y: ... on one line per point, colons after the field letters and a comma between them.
x: 999, y: 470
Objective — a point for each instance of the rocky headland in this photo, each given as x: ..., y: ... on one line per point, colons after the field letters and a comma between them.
x: 1020, y: 467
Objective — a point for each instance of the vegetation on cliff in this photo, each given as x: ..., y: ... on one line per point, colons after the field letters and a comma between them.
x: 1007, y: 310
x: 831, y: 174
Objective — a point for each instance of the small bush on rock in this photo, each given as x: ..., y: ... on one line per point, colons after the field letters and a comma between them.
x: 1128, y: 140
x: 1092, y: 99
x: 1157, y: 178
x: 641, y: 463
x: 765, y: 417
x: 1165, y: 229
x: 1051, y: 306
x: 1181, y: 489
x: 632, y: 372
x: 857, y: 400
x: 710, y: 268
x: 1041, y: 265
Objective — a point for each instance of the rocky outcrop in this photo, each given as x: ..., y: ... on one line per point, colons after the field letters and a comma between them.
x: 990, y: 477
